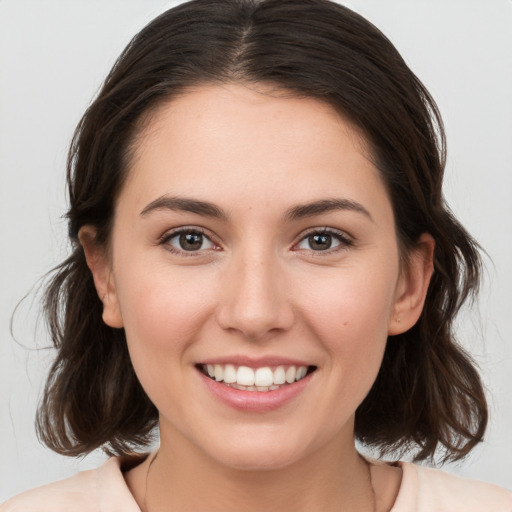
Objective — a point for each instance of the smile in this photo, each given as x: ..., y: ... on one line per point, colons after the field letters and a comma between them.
x: 265, y: 378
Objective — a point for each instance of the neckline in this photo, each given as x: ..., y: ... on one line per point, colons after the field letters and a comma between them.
x: 400, y: 503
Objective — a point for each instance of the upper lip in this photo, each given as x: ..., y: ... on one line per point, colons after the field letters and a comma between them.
x: 255, y: 362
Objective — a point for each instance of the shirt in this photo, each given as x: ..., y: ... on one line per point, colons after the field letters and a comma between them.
x: 105, y: 490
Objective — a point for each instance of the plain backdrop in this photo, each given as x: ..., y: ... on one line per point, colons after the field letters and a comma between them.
x: 53, y: 57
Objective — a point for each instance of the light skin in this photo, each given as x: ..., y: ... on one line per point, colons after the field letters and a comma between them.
x: 295, y: 256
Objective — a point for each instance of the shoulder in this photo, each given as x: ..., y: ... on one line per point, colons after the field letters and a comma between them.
x: 78, y: 493
x: 102, y: 489
x: 431, y: 490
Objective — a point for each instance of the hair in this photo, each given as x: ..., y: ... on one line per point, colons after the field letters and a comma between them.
x: 428, y: 396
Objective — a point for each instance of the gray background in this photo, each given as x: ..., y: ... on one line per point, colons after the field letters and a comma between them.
x: 53, y: 57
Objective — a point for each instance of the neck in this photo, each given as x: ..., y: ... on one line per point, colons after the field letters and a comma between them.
x: 335, y: 478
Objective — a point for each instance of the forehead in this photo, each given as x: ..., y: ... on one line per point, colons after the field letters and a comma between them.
x: 252, y: 141
x: 232, y: 109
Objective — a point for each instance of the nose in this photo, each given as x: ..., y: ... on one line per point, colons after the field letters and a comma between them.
x: 255, y: 301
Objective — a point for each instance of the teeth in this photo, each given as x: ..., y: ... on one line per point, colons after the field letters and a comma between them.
x: 301, y: 372
x: 219, y: 373
x: 229, y: 374
x: 245, y: 376
x: 264, y: 377
x: 279, y: 375
x: 290, y: 374
x: 259, y: 379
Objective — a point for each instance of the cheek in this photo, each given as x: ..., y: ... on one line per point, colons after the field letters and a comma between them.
x: 349, y: 299
x: 163, y: 315
x: 162, y: 310
x: 349, y: 314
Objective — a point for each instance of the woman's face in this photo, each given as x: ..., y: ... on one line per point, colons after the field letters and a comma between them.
x: 254, y: 239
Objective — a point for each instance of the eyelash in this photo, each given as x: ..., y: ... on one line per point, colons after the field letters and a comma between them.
x: 167, y: 237
x: 344, y: 241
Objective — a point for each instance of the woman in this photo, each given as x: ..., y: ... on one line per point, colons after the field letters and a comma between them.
x: 263, y: 267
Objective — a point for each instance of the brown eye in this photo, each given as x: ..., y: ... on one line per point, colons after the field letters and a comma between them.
x: 324, y: 240
x: 189, y: 241
x: 319, y: 242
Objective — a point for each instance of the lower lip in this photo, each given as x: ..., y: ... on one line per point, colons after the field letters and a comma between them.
x: 255, y: 401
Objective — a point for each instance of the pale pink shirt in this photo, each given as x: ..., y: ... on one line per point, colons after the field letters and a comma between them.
x: 104, y: 490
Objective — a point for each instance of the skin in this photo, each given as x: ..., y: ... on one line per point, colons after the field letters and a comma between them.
x: 257, y: 288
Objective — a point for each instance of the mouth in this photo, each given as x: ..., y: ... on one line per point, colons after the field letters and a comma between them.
x: 262, y: 379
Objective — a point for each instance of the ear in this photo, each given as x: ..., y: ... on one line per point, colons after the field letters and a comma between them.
x: 412, y: 286
x: 99, y: 263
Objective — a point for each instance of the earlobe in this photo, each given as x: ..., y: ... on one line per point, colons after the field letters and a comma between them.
x: 413, y: 286
x: 99, y: 264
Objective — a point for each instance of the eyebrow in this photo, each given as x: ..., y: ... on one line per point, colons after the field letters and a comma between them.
x: 325, y: 206
x: 298, y: 212
x: 187, y: 205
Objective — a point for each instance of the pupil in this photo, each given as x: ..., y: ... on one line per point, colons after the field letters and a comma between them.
x: 320, y: 242
x: 191, y: 241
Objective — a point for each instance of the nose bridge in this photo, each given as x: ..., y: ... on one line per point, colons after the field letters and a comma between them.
x: 254, y: 300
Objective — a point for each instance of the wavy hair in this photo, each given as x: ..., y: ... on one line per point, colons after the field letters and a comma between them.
x: 428, y: 394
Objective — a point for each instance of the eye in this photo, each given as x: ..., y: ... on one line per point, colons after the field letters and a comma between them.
x: 324, y: 240
x: 187, y: 240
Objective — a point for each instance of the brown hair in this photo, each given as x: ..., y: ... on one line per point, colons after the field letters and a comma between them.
x: 428, y: 394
